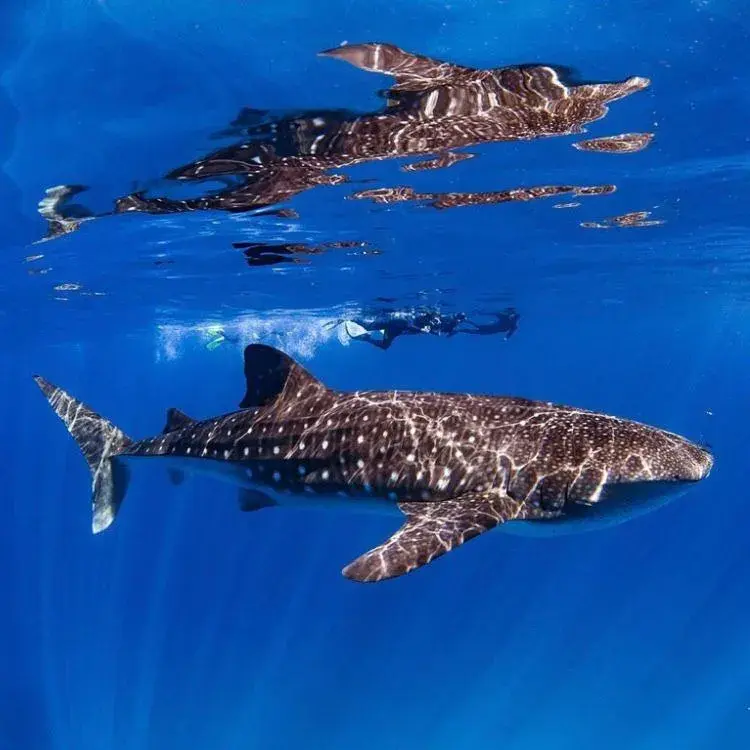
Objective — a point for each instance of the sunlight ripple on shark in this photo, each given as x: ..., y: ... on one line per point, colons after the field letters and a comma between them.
x: 454, y: 465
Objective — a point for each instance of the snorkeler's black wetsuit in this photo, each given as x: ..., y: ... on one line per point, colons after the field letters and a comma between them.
x: 422, y: 322
x: 505, y: 322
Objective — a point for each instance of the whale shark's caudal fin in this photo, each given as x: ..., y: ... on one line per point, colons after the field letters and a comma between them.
x: 271, y: 376
x: 100, y: 442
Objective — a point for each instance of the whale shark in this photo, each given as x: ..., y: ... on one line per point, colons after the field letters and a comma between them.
x: 451, y: 465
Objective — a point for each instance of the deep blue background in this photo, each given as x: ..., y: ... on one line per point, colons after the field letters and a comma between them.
x: 191, y: 625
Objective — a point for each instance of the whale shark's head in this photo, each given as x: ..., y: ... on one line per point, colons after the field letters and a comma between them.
x: 663, y: 469
x: 659, y: 456
x: 638, y: 470
x: 622, y: 501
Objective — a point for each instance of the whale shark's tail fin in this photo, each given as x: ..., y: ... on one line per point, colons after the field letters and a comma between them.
x: 100, y: 442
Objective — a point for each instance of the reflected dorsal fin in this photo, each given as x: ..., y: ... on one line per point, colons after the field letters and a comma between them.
x: 412, y: 72
x: 176, y: 420
x: 269, y: 374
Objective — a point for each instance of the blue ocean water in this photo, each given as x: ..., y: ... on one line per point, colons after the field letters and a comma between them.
x: 188, y: 624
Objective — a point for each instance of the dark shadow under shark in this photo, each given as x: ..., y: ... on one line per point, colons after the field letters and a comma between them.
x: 454, y: 465
x: 432, y: 109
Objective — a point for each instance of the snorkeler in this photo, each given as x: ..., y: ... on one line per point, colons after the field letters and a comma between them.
x: 385, y: 327
x: 505, y: 322
x: 383, y: 330
x: 219, y: 336
x: 378, y: 332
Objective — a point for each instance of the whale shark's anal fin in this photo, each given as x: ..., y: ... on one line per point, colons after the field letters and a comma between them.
x: 271, y: 376
x: 250, y: 500
x: 434, y: 528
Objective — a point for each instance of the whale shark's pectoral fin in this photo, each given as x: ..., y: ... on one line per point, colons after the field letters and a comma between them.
x: 250, y: 500
x: 412, y: 72
x: 434, y: 528
x: 272, y: 376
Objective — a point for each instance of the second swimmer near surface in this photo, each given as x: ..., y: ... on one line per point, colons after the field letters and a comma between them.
x: 383, y: 328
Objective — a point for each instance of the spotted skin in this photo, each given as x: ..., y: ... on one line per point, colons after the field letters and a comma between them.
x: 456, y: 465
x: 433, y: 446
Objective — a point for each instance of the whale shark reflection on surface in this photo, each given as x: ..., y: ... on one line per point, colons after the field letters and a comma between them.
x: 433, y: 108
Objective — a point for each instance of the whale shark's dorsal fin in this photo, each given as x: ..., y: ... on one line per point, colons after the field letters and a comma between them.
x: 271, y: 375
x: 176, y: 420
x: 412, y: 72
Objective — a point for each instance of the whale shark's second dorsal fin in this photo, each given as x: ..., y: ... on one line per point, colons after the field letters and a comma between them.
x: 272, y: 376
x: 176, y: 420
x: 412, y: 72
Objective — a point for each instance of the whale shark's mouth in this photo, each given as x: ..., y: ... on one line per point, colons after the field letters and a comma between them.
x: 619, y: 502
x: 709, y: 462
